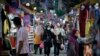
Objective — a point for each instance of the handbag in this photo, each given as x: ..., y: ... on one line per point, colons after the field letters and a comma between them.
x: 41, y: 45
x: 62, y: 46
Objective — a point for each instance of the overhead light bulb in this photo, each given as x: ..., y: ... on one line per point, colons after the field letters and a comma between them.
x: 27, y: 4
x: 35, y: 8
x: 55, y: 14
x: 41, y: 11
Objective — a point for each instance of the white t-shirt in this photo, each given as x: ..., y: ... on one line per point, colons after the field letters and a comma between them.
x: 22, y: 35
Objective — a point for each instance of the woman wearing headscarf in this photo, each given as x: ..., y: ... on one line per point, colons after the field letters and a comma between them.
x: 58, y: 40
x: 38, y: 38
x: 73, y: 44
x: 47, y: 38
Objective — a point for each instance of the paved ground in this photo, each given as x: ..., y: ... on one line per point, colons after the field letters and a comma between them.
x: 62, y: 53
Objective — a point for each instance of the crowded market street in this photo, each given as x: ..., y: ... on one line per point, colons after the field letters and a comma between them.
x: 49, y: 27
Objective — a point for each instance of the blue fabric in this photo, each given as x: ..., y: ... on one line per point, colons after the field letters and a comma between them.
x: 97, y: 14
x: 97, y: 17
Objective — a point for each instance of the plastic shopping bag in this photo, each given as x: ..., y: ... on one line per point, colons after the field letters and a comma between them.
x: 42, y: 45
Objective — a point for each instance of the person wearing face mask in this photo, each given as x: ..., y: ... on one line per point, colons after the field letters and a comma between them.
x: 57, y: 41
x: 47, y: 39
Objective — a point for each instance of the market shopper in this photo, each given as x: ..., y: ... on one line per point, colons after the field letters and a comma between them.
x: 22, y: 47
x: 38, y: 34
x: 57, y: 40
x: 67, y: 35
x: 73, y: 46
x: 47, y: 38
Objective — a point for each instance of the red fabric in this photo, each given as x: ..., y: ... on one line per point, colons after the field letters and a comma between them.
x: 82, y: 21
x: 13, y: 41
x: 7, y: 8
x: 10, y: 9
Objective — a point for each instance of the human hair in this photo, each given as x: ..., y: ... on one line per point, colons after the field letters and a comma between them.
x: 17, y: 21
x: 98, y: 23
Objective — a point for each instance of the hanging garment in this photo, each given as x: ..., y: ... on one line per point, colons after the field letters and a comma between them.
x: 6, y: 24
x: 5, y: 29
x: 82, y: 21
x: 97, y: 15
x: 12, y: 41
x: 89, y: 24
x: 87, y: 29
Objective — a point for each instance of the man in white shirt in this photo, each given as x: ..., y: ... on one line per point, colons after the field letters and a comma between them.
x: 22, y: 47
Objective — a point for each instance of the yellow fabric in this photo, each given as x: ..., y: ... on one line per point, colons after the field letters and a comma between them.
x: 6, y: 26
x: 94, y: 1
x: 89, y: 24
x: 37, y: 39
x: 91, y: 21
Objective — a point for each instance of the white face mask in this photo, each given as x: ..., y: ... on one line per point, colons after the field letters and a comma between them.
x: 82, y: 7
x: 48, y: 28
x: 52, y: 30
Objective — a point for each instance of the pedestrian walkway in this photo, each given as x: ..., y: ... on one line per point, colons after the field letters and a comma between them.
x: 62, y: 53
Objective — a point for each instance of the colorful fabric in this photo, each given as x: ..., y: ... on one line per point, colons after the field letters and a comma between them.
x: 82, y: 21
x: 37, y: 39
x: 6, y: 26
x: 6, y: 23
x: 87, y: 29
x: 73, y: 41
x: 12, y: 41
